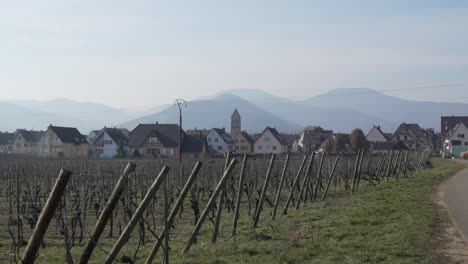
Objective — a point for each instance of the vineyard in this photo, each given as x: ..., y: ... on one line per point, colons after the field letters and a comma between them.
x: 105, y: 211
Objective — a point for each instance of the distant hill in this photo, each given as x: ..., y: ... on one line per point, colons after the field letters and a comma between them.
x: 216, y: 112
x: 304, y: 112
x: 339, y: 109
x: 389, y: 108
x: 62, y: 112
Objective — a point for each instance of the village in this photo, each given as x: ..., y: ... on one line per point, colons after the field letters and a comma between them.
x: 169, y: 141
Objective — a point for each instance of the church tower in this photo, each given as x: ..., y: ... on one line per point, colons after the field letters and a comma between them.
x: 235, y: 122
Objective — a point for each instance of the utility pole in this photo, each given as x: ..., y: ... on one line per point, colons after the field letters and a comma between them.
x: 179, y: 103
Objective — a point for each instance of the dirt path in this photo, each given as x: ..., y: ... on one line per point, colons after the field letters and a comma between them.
x: 453, y: 197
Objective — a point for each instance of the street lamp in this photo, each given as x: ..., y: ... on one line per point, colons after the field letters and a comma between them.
x: 180, y: 103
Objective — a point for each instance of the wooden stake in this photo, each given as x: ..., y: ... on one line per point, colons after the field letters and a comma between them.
x: 47, y: 213
x: 174, y: 212
x: 296, y: 180
x: 137, y: 215
x: 239, y: 195
x: 262, y: 195
x: 106, y: 213
x: 209, y: 205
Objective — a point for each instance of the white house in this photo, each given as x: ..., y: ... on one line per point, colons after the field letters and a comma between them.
x: 220, y: 141
x: 270, y: 141
x: 376, y: 135
x: 108, y: 141
x: 457, y: 141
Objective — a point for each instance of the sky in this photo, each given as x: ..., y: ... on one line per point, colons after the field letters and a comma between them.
x: 142, y: 53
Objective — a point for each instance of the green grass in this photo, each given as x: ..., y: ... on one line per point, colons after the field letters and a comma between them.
x: 390, y: 223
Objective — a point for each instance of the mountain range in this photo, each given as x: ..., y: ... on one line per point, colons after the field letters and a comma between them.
x: 339, y: 109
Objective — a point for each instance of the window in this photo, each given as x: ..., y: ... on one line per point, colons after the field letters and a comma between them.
x: 107, y: 142
x: 216, y: 140
x: 406, y: 137
x: 168, y: 151
x: 153, y: 140
x: 274, y: 147
x: 259, y: 147
x: 466, y: 143
x: 99, y: 151
x: 209, y: 139
x: 18, y: 145
x: 267, y: 139
x: 220, y: 148
x: 398, y: 137
x: 461, y: 135
x: 25, y: 145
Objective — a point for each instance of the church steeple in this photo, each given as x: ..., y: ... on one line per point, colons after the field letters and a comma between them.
x: 235, y: 122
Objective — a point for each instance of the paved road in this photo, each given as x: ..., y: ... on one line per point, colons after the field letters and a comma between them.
x: 456, y: 200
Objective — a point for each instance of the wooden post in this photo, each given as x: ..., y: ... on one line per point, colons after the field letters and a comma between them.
x: 219, y: 210
x: 239, y: 195
x: 165, y: 222
x: 390, y: 162
x: 356, y: 170
x: 210, y: 204
x: 106, y: 213
x: 296, y: 180
x: 137, y: 215
x: 305, y: 180
x: 278, y: 194
x: 47, y: 213
x: 330, y: 178
x: 319, y: 177
x: 262, y: 195
x: 381, y: 166
x: 174, y: 212
x: 359, y: 169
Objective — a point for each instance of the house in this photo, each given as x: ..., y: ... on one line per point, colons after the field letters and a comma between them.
x: 270, y: 141
x: 90, y: 137
x: 243, y: 142
x: 456, y: 141
x: 25, y: 141
x: 434, y: 139
x: 155, y: 140
x: 6, y: 140
x: 62, y: 142
x: 201, y: 133
x: 447, y: 124
x: 292, y: 140
x: 312, y: 138
x: 376, y: 135
x: 220, y: 141
x: 195, y: 147
x: 378, y: 147
x: 412, y: 135
x: 163, y: 141
x: 108, y: 142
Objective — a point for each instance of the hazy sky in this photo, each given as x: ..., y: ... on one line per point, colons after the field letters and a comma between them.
x: 138, y: 54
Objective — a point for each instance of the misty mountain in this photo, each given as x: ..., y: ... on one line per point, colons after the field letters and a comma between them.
x: 389, y: 108
x: 61, y: 112
x: 330, y: 116
x: 340, y: 110
x: 14, y: 116
x: 216, y: 112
